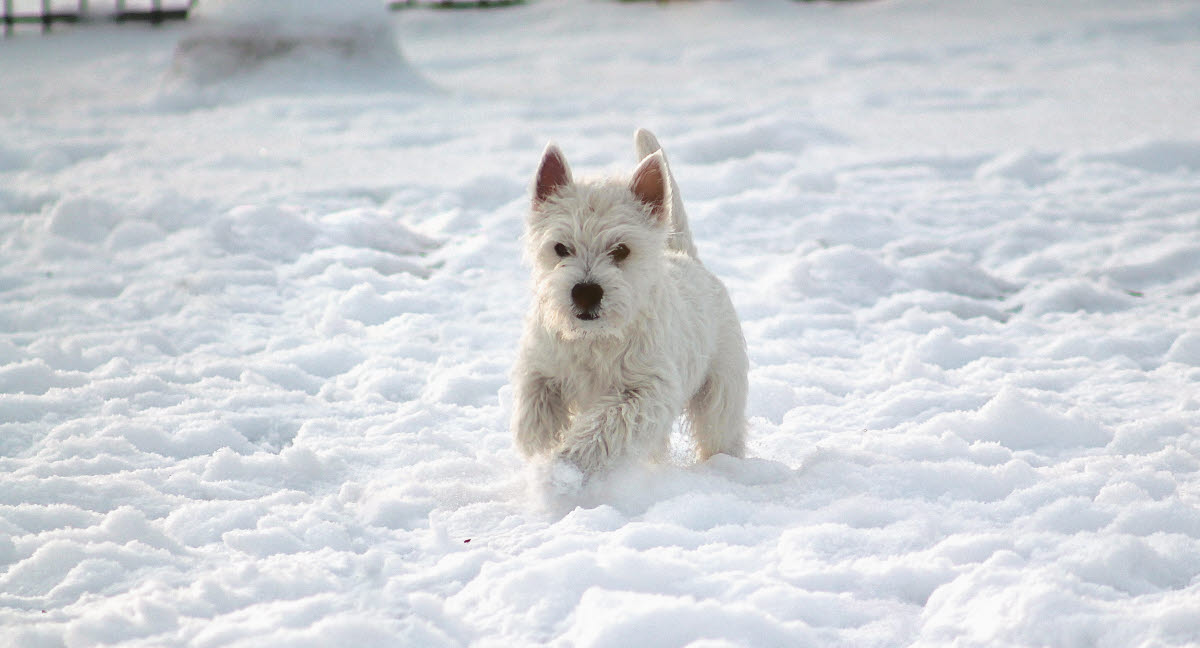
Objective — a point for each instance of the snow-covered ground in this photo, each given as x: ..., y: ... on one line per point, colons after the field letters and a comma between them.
x: 255, y: 331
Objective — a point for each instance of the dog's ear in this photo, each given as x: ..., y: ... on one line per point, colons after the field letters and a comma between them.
x: 649, y: 184
x: 644, y: 143
x: 552, y: 174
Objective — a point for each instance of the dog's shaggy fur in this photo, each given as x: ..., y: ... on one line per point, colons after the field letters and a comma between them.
x: 628, y: 329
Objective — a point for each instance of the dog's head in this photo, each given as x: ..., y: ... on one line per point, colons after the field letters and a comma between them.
x: 597, y: 247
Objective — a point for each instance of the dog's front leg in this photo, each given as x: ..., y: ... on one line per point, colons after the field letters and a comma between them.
x: 634, y: 420
x: 539, y: 414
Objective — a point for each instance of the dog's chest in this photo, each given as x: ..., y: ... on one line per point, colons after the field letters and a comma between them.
x: 589, y: 374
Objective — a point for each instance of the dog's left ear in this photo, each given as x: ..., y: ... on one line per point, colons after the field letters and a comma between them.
x: 649, y: 185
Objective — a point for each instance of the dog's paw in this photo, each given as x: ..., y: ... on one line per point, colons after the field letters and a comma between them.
x: 565, y: 478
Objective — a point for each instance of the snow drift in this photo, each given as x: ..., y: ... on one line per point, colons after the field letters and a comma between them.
x: 266, y: 46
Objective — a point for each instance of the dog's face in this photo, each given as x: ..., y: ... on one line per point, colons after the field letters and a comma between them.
x: 597, y: 248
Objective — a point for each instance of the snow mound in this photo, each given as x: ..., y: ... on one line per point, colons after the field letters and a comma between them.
x: 1011, y: 420
x: 1185, y: 349
x: 256, y: 47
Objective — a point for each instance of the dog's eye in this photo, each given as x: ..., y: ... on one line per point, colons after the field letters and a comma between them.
x: 562, y: 250
x: 619, y: 253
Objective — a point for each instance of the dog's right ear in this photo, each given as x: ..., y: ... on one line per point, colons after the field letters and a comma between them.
x: 552, y: 174
x: 649, y: 185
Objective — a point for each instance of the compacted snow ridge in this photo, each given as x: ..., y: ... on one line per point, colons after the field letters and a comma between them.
x: 258, y: 310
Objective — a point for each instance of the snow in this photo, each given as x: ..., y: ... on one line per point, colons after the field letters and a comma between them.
x: 256, y: 323
x: 246, y: 48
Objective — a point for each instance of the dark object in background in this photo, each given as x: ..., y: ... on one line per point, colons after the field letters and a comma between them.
x: 158, y: 12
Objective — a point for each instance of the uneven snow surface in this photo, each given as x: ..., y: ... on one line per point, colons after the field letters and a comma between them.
x: 254, y: 345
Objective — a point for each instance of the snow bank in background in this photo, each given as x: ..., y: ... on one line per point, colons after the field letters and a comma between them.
x: 262, y: 46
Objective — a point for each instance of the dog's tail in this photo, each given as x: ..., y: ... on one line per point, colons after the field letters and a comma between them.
x: 645, y: 143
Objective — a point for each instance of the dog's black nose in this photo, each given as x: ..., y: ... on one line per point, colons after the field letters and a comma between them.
x: 586, y: 297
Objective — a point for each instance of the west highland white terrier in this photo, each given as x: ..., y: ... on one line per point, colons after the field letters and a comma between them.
x: 628, y: 329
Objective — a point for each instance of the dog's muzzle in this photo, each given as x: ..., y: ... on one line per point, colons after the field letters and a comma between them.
x: 586, y: 297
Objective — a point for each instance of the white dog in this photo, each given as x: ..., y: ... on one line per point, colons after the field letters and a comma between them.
x: 629, y: 329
